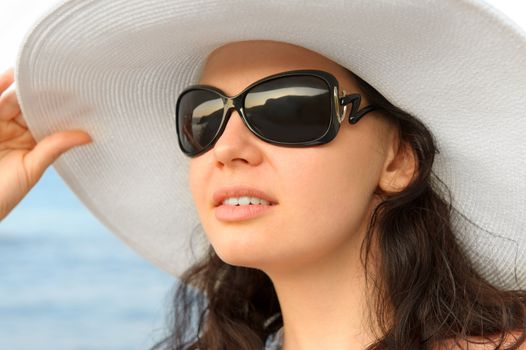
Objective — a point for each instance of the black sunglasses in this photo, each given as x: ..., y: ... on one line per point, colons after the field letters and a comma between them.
x: 297, y: 108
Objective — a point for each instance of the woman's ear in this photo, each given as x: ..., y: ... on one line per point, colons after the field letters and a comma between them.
x: 399, y: 167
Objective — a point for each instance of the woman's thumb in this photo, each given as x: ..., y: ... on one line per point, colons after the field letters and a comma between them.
x: 49, y: 149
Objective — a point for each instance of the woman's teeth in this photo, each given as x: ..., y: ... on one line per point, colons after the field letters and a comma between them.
x: 245, y: 200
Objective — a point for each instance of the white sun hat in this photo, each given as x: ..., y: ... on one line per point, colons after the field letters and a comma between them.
x: 114, y: 68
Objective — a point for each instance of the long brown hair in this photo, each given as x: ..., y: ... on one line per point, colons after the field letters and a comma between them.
x: 426, y: 289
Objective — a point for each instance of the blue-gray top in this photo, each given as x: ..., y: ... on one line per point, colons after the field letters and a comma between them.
x: 275, y: 340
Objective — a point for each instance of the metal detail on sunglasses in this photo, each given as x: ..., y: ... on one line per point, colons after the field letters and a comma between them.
x: 197, y: 132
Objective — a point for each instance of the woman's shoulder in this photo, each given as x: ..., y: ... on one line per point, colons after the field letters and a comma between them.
x: 480, y: 343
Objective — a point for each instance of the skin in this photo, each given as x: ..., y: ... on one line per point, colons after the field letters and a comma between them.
x: 308, y: 244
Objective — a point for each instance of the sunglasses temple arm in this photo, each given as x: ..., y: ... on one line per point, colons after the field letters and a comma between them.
x: 354, y: 118
x: 355, y: 115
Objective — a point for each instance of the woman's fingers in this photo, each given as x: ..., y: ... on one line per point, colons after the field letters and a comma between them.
x: 9, y: 107
x: 49, y: 149
x: 6, y: 79
x: 22, y: 159
x: 19, y: 119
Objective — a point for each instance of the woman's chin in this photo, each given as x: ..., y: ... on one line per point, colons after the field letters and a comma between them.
x: 241, y: 256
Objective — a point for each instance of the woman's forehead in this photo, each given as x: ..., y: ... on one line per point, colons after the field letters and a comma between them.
x: 236, y: 65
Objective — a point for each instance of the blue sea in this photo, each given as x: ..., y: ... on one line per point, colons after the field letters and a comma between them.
x: 78, y: 292
x: 68, y: 283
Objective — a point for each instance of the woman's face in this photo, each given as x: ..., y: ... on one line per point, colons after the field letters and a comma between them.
x: 324, y: 192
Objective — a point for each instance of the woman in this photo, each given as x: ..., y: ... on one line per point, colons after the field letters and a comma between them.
x: 353, y: 244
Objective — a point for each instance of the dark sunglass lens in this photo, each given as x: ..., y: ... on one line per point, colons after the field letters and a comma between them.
x: 291, y: 109
x: 199, y: 115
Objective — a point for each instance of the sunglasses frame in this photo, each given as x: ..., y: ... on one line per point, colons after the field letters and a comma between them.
x: 231, y: 103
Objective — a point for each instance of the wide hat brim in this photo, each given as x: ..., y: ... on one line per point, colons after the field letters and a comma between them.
x: 114, y: 68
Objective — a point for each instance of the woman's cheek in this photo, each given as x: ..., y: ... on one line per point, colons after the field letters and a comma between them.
x: 197, y: 185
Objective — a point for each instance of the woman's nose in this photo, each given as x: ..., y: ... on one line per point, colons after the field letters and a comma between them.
x: 237, y: 143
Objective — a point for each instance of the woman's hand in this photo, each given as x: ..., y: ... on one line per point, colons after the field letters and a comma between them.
x: 22, y: 160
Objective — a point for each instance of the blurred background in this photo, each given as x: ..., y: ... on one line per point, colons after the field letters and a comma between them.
x: 66, y: 282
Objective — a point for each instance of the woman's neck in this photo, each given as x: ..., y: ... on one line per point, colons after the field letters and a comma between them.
x: 323, y: 303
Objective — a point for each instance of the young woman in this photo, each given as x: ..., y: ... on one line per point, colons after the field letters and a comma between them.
x: 326, y: 226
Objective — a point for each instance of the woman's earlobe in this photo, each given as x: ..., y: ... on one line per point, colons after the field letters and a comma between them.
x: 399, y: 170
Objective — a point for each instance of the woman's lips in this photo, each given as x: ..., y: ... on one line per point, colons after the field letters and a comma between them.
x: 230, y: 213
